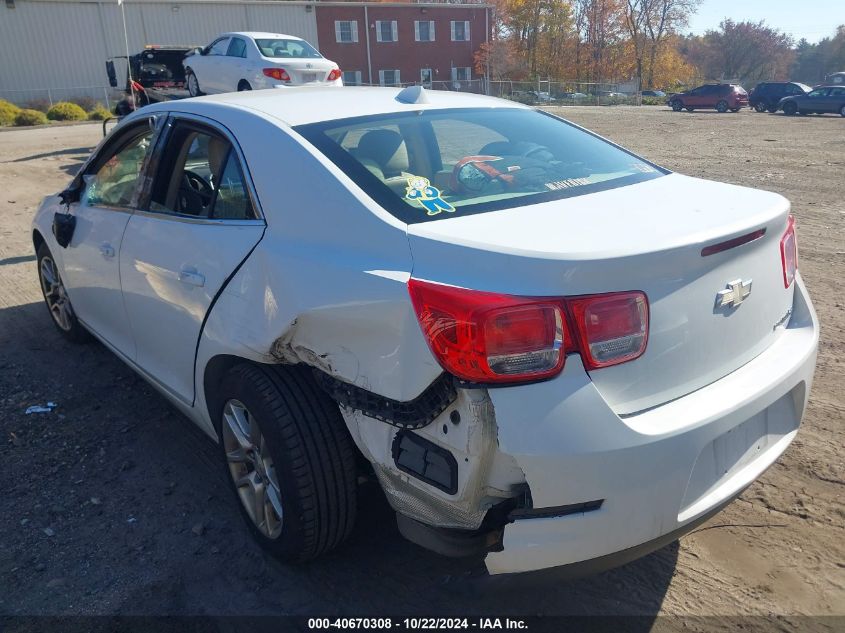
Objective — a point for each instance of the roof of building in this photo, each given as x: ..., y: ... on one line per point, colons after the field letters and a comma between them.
x: 300, y: 105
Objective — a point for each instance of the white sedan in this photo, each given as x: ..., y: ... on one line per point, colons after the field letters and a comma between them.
x: 253, y: 61
x: 509, y: 321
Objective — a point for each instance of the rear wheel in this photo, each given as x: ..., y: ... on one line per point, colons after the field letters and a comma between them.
x: 842, y: 111
x: 722, y: 106
x: 676, y: 105
x: 57, y: 300
x: 790, y: 108
x: 289, y: 458
x: 244, y: 85
x: 193, y: 84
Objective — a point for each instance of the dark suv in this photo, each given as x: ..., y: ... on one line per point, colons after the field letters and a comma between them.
x: 723, y: 97
x: 767, y: 95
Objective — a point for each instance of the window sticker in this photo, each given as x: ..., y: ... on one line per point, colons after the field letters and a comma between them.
x: 420, y: 190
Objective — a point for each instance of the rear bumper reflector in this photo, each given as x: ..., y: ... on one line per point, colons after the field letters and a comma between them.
x: 555, y: 511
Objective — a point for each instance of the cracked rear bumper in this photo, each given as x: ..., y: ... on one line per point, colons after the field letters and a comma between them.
x: 660, y: 472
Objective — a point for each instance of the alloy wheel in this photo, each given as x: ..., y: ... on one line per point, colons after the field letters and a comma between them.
x: 193, y: 85
x: 252, y: 469
x: 55, y: 294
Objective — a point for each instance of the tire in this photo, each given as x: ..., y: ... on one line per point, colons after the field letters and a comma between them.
x: 193, y: 84
x: 676, y: 106
x: 300, y: 446
x: 759, y: 107
x: 842, y: 111
x: 56, y: 299
x: 722, y: 106
x: 243, y: 85
x: 790, y: 108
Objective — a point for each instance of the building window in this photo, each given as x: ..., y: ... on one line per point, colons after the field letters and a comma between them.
x: 346, y: 31
x: 462, y: 73
x: 388, y: 77
x: 460, y: 31
x: 425, y: 77
x: 351, y: 77
x: 386, y: 31
x: 424, y: 30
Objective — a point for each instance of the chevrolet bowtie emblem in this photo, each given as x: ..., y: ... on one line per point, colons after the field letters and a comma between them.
x: 734, y: 294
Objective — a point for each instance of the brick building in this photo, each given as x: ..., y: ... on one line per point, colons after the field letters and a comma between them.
x: 392, y: 44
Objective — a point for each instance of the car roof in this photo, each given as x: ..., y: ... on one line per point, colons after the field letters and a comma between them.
x: 300, y: 105
x: 259, y: 34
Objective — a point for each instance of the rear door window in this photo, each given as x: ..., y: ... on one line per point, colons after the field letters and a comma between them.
x: 432, y: 164
x: 237, y: 48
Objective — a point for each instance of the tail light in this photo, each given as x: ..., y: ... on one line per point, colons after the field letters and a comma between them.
x: 279, y: 74
x: 610, y: 328
x: 494, y: 338
x: 789, y: 253
x: 334, y: 75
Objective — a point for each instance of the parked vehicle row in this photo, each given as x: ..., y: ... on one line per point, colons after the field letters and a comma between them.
x: 791, y: 97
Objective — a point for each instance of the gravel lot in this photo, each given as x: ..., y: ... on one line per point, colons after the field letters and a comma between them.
x: 114, y: 504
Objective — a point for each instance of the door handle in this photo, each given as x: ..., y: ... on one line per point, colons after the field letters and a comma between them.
x: 191, y: 277
x: 106, y: 250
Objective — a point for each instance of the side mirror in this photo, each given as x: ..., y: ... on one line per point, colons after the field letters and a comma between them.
x: 72, y: 194
x: 111, y: 73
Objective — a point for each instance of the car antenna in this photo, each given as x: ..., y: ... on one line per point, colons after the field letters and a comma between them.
x: 412, y: 94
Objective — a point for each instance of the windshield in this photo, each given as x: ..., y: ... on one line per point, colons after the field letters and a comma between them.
x: 286, y: 48
x: 435, y: 164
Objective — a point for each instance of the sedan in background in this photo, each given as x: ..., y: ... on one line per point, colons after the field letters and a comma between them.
x: 252, y: 61
x: 821, y: 100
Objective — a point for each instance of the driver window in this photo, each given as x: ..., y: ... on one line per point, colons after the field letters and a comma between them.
x: 200, y: 176
x: 219, y: 47
x: 114, y: 183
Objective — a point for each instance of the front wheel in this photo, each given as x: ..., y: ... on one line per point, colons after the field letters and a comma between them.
x: 289, y: 458
x: 193, y: 84
x: 790, y: 108
x: 677, y: 106
x: 842, y: 111
x: 759, y: 107
x: 722, y: 106
x: 56, y: 298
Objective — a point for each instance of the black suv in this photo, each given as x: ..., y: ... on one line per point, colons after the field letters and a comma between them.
x: 768, y: 94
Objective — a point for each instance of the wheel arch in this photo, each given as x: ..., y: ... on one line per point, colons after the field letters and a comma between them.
x: 37, y: 239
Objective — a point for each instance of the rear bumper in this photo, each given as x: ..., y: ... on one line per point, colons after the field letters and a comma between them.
x: 659, y: 472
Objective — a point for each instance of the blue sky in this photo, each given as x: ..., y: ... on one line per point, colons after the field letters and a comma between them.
x: 813, y: 19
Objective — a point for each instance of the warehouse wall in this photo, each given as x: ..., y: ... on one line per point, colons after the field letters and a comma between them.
x: 62, y: 45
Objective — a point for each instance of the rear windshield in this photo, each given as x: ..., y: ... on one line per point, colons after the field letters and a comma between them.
x: 285, y: 49
x: 435, y: 164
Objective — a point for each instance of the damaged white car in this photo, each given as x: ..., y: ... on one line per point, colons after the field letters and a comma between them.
x: 549, y: 351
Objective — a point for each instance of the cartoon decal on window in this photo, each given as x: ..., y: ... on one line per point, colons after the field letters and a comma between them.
x: 420, y: 189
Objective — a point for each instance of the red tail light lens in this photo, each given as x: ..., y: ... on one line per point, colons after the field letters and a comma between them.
x: 610, y: 328
x: 279, y: 74
x: 494, y: 338
x: 487, y: 337
x: 334, y: 75
x: 789, y: 253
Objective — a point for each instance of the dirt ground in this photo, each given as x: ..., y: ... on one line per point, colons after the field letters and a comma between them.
x: 114, y: 504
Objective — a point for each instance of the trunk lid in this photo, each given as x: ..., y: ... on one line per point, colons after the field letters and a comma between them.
x: 649, y: 237
x: 307, y: 71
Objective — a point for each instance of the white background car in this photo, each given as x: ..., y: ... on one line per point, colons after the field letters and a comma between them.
x: 542, y: 356
x: 252, y: 61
